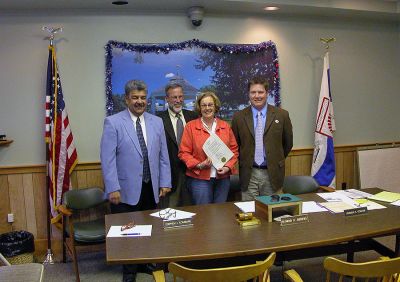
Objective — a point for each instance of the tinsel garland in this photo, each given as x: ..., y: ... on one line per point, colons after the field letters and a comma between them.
x: 166, y: 48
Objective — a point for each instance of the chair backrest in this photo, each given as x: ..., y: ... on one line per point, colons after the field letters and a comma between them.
x: 235, y: 182
x: 386, y: 269
x: 299, y: 184
x: 78, y: 199
x: 231, y: 274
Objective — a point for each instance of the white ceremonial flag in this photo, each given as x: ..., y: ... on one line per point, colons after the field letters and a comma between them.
x: 323, y: 166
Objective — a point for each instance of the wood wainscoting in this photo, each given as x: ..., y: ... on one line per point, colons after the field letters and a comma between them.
x: 22, y: 190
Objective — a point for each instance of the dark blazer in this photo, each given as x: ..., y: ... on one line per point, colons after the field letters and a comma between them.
x: 176, y: 164
x: 278, y: 141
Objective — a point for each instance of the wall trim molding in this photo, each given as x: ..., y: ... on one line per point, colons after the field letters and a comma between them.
x: 84, y: 166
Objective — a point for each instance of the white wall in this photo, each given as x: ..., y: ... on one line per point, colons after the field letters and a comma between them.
x: 364, y: 72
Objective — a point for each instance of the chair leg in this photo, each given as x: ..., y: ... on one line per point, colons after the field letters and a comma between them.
x: 64, y: 252
x: 72, y: 251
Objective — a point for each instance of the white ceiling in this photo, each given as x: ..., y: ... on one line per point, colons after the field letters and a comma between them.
x: 383, y: 10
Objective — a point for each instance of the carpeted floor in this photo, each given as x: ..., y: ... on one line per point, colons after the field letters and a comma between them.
x: 93, y: 267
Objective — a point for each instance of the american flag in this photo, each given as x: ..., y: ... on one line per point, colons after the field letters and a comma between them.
x: 62, y: 156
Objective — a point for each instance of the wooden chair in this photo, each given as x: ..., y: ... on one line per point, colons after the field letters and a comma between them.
x: 385, y: 270
x: 234, y: 189
x: 77, y: 232
x: 258, y: 270
x: 302, y: 184
x: 28, y: 272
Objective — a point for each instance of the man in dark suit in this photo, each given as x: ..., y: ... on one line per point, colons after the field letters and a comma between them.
x: 175, y: 118
x: 265, y: 138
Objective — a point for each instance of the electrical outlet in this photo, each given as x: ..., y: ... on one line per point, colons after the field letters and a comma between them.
x: 10, y: 218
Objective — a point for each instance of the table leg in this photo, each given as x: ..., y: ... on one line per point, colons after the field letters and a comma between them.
x: 350, y: 251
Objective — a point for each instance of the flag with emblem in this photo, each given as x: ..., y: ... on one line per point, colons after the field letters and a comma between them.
x: 61, y: 151
x: 323, y: 165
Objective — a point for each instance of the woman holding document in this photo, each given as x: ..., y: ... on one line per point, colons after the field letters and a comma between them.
x: 210, y: 152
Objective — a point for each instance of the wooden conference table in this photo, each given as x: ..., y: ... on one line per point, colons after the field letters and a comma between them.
x: 215, y: 234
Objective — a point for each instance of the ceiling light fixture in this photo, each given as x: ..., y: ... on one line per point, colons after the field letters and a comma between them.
x: 271, y: 8
x: 120, y: 3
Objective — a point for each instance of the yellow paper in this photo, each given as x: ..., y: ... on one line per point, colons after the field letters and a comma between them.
x: 386, y: 196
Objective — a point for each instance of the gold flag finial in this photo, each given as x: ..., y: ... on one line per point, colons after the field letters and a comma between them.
x: 326, y: 41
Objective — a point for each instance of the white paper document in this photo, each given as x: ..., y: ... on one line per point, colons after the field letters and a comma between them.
x: 369, y: 204
x: 337, y: 207
x: 311, y: 206
x: 397, y: 203
x: 136, y: 231
x: 248, y: 206
x: 354, y: 193
x: 172, y: 214
x: 337, y: 197
x: 217, y: 151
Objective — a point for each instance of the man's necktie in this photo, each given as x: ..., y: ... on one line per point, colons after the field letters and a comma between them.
x: 179, y: 129
x: 146, y: 166
x: 259, y: 151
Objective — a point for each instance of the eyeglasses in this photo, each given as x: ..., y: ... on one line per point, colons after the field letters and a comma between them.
x: 167, y: 214
x: 203, y: 106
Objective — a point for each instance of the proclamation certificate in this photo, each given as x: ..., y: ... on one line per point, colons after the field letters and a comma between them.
x: 217, y: 151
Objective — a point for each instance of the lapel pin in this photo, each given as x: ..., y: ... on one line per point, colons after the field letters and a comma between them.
x: 276, y: 121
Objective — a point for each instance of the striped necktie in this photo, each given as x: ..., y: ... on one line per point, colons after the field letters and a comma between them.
x: 179, y: 129
x: 259, y: 151
x: 146, y: 166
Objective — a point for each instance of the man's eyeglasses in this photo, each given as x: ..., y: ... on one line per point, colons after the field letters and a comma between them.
x: 167, y: 214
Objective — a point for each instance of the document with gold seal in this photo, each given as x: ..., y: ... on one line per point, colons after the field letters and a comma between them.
x: 217, y: 151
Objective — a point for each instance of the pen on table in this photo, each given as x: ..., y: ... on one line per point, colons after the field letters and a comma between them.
x: 130, y: 234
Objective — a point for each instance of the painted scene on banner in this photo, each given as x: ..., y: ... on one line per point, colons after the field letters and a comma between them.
x: 197, y: 69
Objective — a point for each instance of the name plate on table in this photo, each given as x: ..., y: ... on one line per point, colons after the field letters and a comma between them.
x: 356, y: 211
x: 294, y: 219
x: 176, y: 223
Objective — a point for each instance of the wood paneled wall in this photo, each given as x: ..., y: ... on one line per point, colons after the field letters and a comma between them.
x: 22, y: 189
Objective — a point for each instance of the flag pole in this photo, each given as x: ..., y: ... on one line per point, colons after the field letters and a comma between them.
x: 323, y: 167
x: 49, y: 254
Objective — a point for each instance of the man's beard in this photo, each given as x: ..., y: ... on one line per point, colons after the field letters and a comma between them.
x: 176, y: 108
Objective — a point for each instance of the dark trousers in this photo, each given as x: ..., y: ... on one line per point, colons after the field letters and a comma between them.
x: 146, y: 202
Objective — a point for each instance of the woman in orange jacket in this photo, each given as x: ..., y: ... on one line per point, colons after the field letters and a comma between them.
x: 206, y: 183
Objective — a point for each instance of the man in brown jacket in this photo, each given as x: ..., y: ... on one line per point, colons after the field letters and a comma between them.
x: 265, y: 138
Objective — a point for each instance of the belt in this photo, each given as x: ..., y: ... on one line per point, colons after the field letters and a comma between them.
x: 259, y: 166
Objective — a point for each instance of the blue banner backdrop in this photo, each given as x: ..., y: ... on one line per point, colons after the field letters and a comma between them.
x: 197, y: 65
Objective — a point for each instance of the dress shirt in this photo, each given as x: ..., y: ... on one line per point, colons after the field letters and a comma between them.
x: 142, y: 124
x: 172, y: 116
x: 264, y: 117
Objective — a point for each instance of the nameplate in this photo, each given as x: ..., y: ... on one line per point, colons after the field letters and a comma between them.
x: 294, y: 219
x: 356, y: 211
x: 176, y: 223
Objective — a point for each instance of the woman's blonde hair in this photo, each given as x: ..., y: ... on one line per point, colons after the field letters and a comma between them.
x: 217, y: 102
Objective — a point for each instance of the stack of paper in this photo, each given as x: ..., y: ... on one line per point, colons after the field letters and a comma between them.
x: 385, y: 196
x: 354, y: 193
x: 337, y: 207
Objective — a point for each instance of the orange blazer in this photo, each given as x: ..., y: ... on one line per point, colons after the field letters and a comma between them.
x: 191, y: 147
